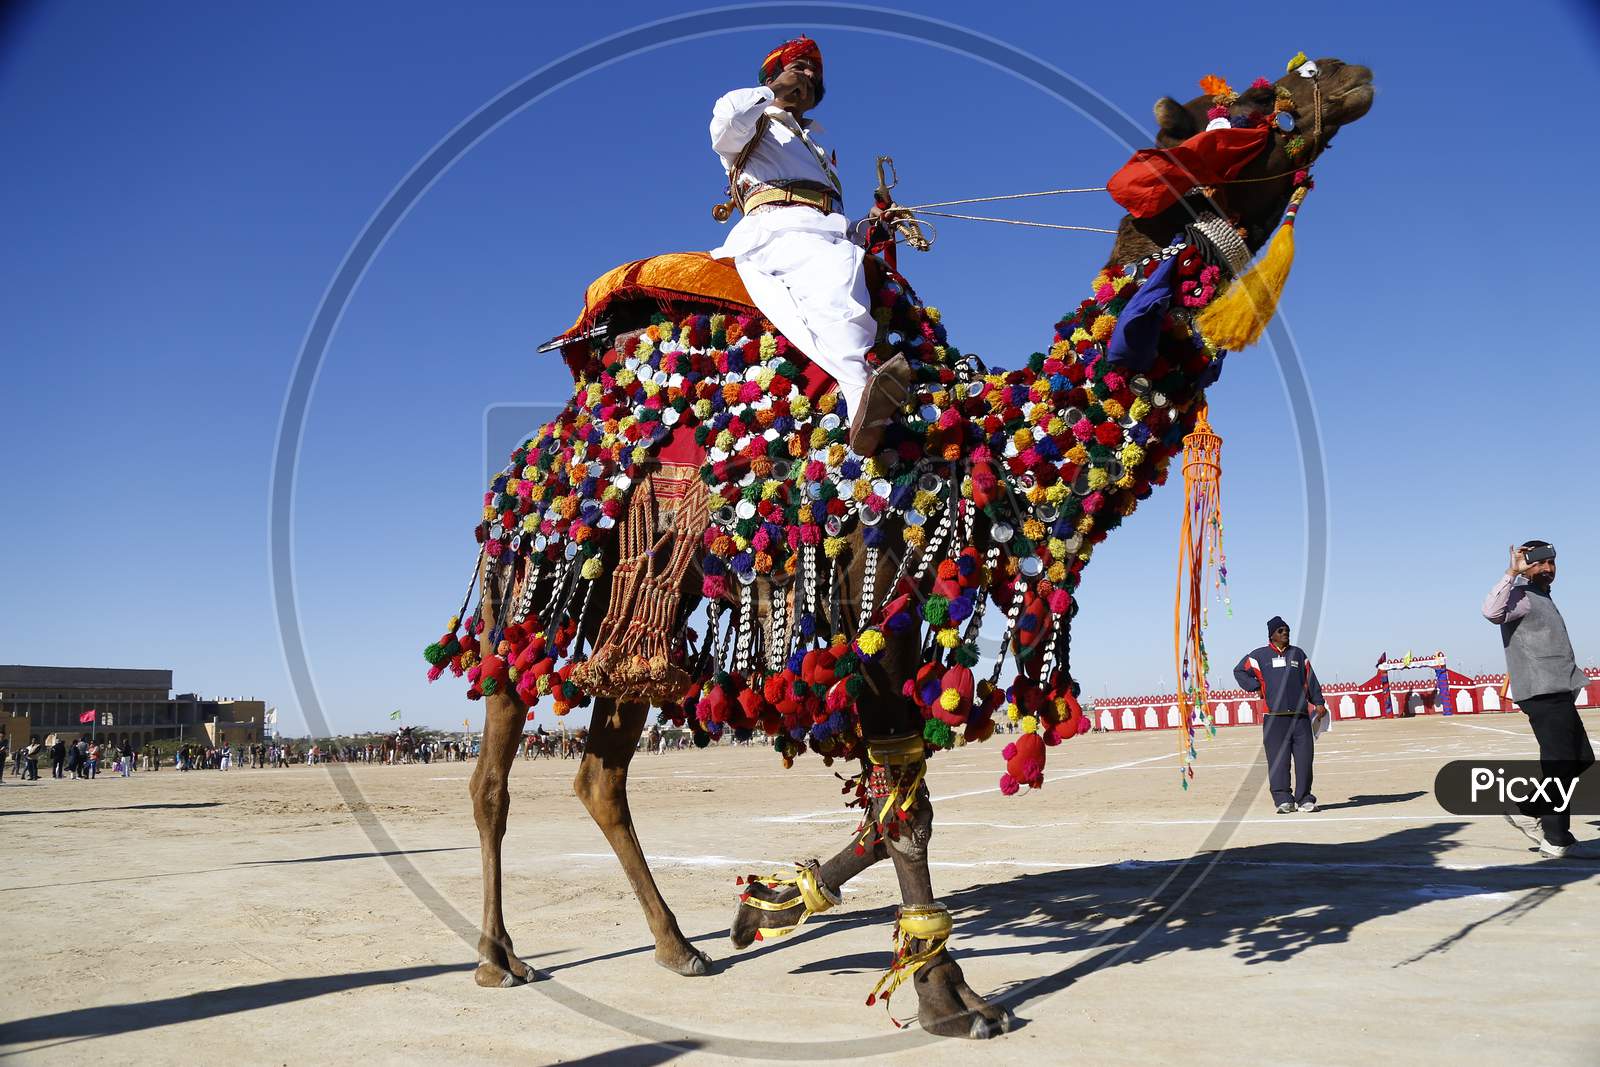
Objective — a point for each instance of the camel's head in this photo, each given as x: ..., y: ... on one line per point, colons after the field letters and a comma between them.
x: 1306, y: 107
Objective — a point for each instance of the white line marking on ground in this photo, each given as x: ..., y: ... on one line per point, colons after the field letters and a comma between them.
x: 831, y: 814
x: 1124, y: 865
x: 1491, y: 729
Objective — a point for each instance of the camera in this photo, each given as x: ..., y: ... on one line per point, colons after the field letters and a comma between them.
x: 1539, y: 555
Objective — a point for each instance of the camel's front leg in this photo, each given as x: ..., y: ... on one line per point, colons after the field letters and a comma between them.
x: 750, y: 918
x: 946, y: 1005
x: 491, y: 799
x: 602, y: 785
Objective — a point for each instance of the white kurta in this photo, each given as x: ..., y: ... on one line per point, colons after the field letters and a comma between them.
x: 803, y: 269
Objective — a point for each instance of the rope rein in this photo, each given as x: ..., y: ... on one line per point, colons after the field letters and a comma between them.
x: 1015, y: 222
x: 923, y: 209
x: 1007, y: 196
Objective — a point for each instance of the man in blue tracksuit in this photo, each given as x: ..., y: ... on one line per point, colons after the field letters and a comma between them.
x: 1282, y: 674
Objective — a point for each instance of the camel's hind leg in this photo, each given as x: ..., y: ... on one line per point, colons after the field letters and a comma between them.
x: 491, y: 799
x: 602, y: 785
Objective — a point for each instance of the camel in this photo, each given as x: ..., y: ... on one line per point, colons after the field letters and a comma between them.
x: 853, y: 638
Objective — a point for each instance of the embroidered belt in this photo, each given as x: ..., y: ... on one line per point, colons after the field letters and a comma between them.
x: 824, y: 202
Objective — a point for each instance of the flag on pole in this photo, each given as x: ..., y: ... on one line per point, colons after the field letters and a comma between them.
x: 87, y: 716
x: 467, y: 723
x: 395, y: 714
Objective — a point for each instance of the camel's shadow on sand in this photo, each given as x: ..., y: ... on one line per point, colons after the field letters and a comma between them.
x: 1263, y: 903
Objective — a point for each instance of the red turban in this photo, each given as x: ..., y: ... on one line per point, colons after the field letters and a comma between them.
x: 788, y: 52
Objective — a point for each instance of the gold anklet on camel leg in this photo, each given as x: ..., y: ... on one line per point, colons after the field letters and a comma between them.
x: 929, y: 923
x: 899, y: 765
x: 814, y: 897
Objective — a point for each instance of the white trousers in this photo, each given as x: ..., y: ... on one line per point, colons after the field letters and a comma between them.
x: 813, y: 287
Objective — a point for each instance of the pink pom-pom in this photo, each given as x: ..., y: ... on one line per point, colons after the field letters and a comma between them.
x: 1084, y: 725
x: 1008, y: 785
x: 1009, y: 751
x: 434, y: 672
x: 1060, y: 602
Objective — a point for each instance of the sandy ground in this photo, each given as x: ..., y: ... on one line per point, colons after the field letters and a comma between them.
x: 307, y: 916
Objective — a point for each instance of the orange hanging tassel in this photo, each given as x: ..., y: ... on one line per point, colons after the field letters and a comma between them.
x: 1200, y: 556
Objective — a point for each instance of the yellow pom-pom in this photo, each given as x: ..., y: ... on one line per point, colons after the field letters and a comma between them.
x: 871, y: 642
x: 1299, y: 60
x: 949, y: 700
x: 1011, y: 712
x: 1029, y: 724
x: 591, y: 568
x: 949, y: 638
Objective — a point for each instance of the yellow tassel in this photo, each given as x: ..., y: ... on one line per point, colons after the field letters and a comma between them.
x: 1239, y: 316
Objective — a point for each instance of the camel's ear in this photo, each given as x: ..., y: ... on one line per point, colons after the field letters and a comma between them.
x: 1175, y: 120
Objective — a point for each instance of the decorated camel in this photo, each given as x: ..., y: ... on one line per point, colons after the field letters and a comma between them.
x: 692, y: 534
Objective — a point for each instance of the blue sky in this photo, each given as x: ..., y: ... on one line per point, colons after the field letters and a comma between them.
x: 183, y: 181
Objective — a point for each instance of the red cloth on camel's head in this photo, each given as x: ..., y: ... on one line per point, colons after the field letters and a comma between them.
x: 1156, y: 178
x: 787, y: 53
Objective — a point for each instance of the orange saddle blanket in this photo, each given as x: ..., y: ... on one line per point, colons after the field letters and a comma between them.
x: 670, y: 277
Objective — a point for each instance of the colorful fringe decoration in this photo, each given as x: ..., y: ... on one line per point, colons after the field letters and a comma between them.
x: 1238, y: 318
x: 1199, y: 555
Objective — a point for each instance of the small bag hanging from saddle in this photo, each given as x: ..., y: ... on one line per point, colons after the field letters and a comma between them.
x: 724, y: 211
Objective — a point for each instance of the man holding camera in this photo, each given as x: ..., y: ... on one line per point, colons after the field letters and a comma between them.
x: 1545, y: 681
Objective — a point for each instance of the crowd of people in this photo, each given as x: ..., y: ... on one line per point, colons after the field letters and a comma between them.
x: 89, y: 757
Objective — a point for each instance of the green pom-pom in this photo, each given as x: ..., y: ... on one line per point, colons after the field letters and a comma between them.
x: 435, y: 655
x: 965, y: 655
x: 936, y: 612
x: 489, y: 685
x: 938, y: 734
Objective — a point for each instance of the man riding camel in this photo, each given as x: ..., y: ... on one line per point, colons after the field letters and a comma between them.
x: 801, y: 259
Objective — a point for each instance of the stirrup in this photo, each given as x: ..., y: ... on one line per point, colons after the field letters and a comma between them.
x: 887, y: 391
x: 814, y: 896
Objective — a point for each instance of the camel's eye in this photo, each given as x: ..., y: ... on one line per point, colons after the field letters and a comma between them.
x: 1308, y: 69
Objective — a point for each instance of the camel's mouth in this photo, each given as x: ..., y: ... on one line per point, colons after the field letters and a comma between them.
x: 1354, y: 100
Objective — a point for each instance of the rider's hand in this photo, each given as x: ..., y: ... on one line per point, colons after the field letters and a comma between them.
x: 1518, y: 564
x: 888, y: 215
x: 792, y: 89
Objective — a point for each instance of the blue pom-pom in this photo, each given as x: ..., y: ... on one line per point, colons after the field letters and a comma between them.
x: 960, y: 608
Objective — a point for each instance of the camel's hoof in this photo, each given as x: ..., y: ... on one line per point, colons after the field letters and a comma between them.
x: 747, y: 921
x: 691, y: 964
x: 494, y: 976
x: 984, y: 1028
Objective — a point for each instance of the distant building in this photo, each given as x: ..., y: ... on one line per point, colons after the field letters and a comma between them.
x: 134, y: 705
